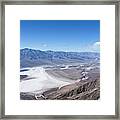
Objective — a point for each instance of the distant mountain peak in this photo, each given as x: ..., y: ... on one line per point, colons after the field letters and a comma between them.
x: 31, y: 57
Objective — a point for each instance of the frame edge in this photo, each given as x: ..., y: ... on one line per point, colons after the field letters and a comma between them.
x: 2, y: 55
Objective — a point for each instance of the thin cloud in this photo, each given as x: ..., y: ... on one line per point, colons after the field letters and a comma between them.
x: 44, y: 45
x: 96, y: 46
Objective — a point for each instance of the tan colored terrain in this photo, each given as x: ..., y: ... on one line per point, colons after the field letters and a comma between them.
x: 82, y: 90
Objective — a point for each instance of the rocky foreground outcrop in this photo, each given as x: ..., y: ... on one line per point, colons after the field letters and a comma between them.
x: 81, y: 90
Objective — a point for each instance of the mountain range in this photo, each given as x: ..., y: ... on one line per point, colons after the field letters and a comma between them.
x: 32, y: 57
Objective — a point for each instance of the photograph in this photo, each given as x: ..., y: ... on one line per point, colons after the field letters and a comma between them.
x: 58, y: 55
x: 59, y: 60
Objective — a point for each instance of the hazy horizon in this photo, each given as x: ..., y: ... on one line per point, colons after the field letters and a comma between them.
x: 60, y: 35
x: 59, y: 51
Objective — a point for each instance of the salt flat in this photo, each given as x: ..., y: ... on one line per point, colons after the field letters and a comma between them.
x: 39, y: 80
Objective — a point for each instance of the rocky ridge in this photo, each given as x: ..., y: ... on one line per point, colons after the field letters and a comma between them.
x: 81, y: 90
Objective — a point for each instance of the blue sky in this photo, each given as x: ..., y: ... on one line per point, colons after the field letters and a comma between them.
x: 60, y: 35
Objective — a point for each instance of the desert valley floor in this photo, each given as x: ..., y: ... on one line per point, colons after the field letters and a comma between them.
x: 63, y: 82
